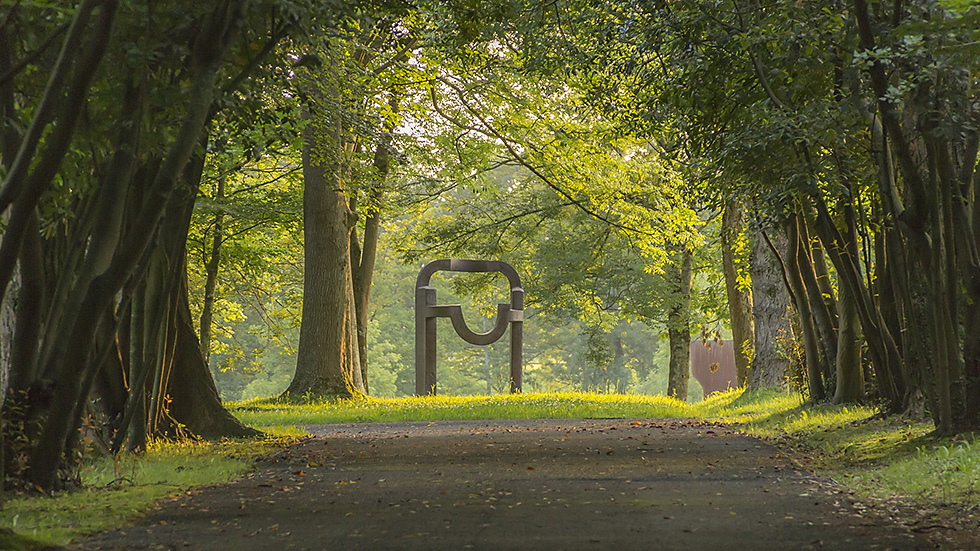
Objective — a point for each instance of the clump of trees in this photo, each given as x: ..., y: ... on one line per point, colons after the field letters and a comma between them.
x: 109, y: 113
x: 849, y: 130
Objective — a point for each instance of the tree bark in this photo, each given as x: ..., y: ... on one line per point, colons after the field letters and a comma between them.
x: 824, y: 319
x: 890, y: 367
x: 679, y: 326
x: 71, y: 360
x: 812, y: 343
x: 850, y: 374
x: 739, y: 297
x: 328, y: 362
x: 211, y: 275
x: 29, y: 177
x: 770, y: 308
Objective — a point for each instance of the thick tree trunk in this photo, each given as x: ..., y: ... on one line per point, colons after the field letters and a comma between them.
x: 8, y: 322
x: 328, y: 364
x: 850, y: 373
x: 194, y: 400
x: 71, y: 359
x: 30, y: 305
x: 770, y: 308
x: 679, y: 326
x: 739, y: 296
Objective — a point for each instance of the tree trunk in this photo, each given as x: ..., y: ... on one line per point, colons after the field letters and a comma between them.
x: 328, y: 364
x: 30, y: 304
x: 71, y: 359
x: 850, y: 373
x: 211, y: 276
x: 889, y: 366
x: 739, y: 296
x: 8, y: 322
x: 679, y: 326
x: 770, y: 308
x: 812, y: 342
x: 194, y: 400
x: 33, y: 172
x: 824, y: 319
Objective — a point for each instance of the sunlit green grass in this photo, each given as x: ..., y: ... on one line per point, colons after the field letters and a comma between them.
x: 564, y: 405
x: 117, y: 490
x: 876, y: 457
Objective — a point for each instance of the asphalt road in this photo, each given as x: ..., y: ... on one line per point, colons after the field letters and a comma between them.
x: 518, y: 484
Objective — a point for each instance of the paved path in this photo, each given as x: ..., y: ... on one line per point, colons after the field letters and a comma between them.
x: 524, y: 484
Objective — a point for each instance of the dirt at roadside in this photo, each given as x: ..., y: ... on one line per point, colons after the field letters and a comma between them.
x: 518, y: 484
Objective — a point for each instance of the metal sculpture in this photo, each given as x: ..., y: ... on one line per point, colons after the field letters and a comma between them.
x: 426, y: 312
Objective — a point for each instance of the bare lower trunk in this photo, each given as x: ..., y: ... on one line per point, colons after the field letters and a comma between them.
x: 849, y: 369
x: 792, y: 263
x: 7, y: 323
x: 739, y: 296
x: 327, y: 362
x: 679, y: 326
x: 770, y: 308
x: 850, y: 373
x: 824, y: 320
x: 890, y: 367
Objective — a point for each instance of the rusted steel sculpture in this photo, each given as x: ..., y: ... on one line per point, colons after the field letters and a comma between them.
x: 426, y: 312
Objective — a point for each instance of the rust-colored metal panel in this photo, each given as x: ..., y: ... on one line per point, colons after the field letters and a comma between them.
x: 713, y: 365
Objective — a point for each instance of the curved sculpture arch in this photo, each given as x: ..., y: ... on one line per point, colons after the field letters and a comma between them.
x: 427, y: 310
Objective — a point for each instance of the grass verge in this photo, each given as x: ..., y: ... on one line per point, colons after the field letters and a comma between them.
x: 116, y: 490
x: 892, y: 463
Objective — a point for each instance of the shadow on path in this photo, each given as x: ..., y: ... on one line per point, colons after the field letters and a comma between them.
x: 517, y: 484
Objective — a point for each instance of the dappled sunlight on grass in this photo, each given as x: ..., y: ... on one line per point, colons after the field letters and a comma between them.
x: 947, y: 472
x: 739, y: 405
